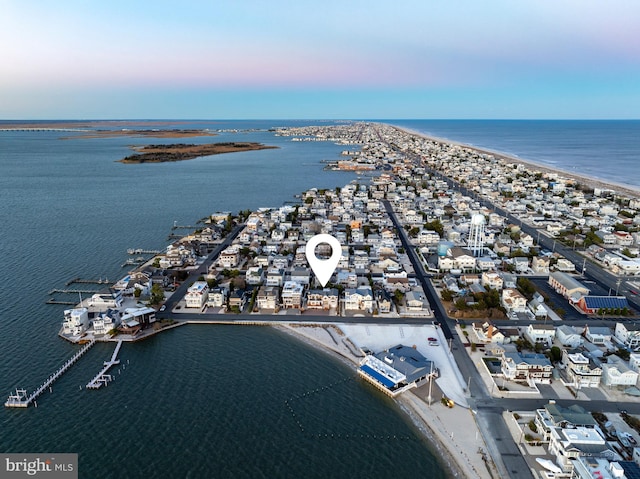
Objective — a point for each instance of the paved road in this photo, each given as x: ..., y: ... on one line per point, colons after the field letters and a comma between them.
x: 202, y: 269
x: 587, y: 267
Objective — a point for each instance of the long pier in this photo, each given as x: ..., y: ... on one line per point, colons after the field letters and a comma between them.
x: 21, y: 399
x: 56, y: 301
x: 73, y: 291
x: 102, y: 378
x: 144, y: 251
x: 87, y: 281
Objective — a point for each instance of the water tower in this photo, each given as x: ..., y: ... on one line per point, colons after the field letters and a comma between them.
x: 476, y: 235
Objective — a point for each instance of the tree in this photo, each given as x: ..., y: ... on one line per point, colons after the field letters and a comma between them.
x: 555, y: 354
x: 157, y: 294
x: 397, y: 296
x: 446, y: 295
x: 435, y: 225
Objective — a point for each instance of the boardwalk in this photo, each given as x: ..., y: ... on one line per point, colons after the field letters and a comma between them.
x: 21, y: 399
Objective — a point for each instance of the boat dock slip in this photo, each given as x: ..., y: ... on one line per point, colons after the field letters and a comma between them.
x: 102, y: 378
x: 21, y: 399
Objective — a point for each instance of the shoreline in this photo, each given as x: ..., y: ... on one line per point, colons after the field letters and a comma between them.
x: 593, y: 182
x: 453, y: 459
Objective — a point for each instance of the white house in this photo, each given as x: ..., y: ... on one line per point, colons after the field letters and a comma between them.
x: 76, y: 321
x: 325, y: 299
x: 230, y: 257
x: 628, y: 335
x: 568, y: 337
x: 540, y: 333
x: 616, y: 373
x: 217, y: 297
x: 582, y: 371
x: 567, y: 444
x: 267, y: 298
x: 513, y: 301
x: 492, y: 280
x: 598, y: 335
x: 360, y: 299
x: 416, y: 301
x: 197, y: 295
x: 292, y: 295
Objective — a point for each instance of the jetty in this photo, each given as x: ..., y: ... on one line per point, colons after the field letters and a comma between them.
x: 22, y: 400
x: 102, y: 378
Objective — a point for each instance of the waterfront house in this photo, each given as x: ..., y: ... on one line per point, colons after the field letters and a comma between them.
x: 325, y: 299
x: 217, y: 297
x: 267, y: 298
x: 359, y: 299
x: 105, y: 322
x: 527, y: 367
x: 383, y: 299
x: 416, y: 302
x: 292, y: 295
x: 105, y: 300
x: 238, y: 299
x: 76, y: 321
x: 396, y: 369
x: 133, y: 318
x: 197, y: 295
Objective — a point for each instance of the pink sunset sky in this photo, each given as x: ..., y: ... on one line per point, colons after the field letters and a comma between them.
x: 330, y: 59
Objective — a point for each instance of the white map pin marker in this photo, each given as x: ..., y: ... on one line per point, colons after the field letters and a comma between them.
x: 323, y: 268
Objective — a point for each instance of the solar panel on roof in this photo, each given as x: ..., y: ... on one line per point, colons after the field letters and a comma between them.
x: 605, y: 302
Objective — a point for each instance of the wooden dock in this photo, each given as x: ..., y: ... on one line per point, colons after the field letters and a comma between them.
x: 21, y: 399
x: 87, y: 281
x: 102, y: 378
x: 144, y: 251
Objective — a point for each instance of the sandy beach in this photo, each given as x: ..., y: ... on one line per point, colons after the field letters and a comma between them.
x: 453, y: 433
x: 627, y: 190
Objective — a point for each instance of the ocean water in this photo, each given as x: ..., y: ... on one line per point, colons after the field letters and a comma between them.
x: 197, y: 401
x: 603, y: 149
